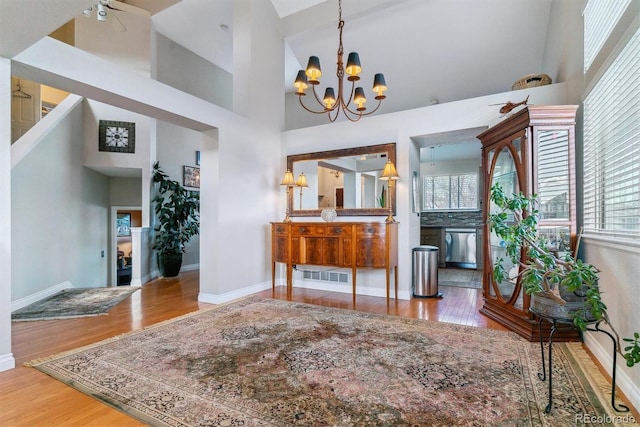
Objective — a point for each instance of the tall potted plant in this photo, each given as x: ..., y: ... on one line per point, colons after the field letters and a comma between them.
x: 558, y: 282
x: 178, y: 220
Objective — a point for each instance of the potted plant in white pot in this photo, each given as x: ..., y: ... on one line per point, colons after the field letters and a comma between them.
x: 560, y: 284
x: 178, y: 220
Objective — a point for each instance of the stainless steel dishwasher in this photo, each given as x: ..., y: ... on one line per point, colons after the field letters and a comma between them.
x: 460, y: 247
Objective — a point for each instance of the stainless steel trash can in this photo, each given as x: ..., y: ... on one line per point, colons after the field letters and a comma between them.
x: 425, y: 272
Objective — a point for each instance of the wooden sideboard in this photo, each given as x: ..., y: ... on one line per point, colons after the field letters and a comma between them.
x: 338, y: 244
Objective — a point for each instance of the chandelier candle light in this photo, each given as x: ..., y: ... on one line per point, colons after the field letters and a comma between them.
x: 391, y: 175
x: 311, y: 76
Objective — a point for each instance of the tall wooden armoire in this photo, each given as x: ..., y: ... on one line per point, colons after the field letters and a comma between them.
x: 532, y: 151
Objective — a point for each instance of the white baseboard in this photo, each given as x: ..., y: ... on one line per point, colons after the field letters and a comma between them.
x: 623, y: 381
x: 139, y: 282
x: 23, y: 302
x: 155, y: 273
x: 304, y: 284
x: 346, y: 288
x: 230, y: 296
x: 7, y: 362
x: 190, y: 267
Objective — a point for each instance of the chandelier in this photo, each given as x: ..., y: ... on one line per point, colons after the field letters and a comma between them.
x: 311, y: 76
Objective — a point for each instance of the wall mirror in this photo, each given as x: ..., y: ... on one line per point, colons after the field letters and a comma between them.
x: 347, y: 180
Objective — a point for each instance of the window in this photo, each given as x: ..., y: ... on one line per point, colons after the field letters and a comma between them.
x: 612, y: 145
x: 450, y: 192
x: 600, y: 16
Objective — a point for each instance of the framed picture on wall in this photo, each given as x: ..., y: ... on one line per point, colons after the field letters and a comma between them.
x: 191, y: 176
x: 197, y: 158
x: 123, y: 224
x: 117, y: 137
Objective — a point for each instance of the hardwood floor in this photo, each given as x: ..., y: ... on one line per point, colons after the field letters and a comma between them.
x: 30, y: 398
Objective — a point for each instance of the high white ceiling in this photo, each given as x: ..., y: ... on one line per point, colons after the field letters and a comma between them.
x: 429, y: 50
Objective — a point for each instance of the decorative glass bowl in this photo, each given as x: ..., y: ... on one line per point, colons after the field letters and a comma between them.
x: 328, y: 214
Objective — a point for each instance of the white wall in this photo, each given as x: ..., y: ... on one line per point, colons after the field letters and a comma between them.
x: 175, y: 148
x: 563, y: 53
x: 184, y: 70
x: 240, y: 176
x: 125, y: 191
x: 399, y: 128
x: 446, y: 167
x: 59, y: 215
x: 619, y: 265
x: 134, y: 164
x: 6, y: 358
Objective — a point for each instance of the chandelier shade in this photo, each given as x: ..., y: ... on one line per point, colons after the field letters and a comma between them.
x: 349, y: 100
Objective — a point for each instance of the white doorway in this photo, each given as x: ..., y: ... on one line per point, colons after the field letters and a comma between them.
x: 123, y: 218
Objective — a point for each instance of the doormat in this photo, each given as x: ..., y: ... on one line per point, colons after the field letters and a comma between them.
x: 74, y: 302
x: 264, y: 362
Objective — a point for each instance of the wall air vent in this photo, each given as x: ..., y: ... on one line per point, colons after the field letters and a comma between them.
x: 326, y: 276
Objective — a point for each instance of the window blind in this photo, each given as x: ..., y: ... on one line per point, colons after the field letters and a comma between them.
x: 553, y: 172
x: 612, y: 147
x: 600, y: 16
x: 450, y: 192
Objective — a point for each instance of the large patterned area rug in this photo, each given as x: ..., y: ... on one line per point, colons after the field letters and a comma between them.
x: 263, y: 362
x: 74, y: 302
x: 460, y: 277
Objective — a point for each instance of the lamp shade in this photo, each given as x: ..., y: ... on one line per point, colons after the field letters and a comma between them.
x: 288, y: 179
x: 353, y: 65
x: 379, y: 85
x: 389, y: 172
x: 302, y: 180
x: 360, y: 99
x: 313, y: 69
x: 329, y: 98
x: 301, y: 82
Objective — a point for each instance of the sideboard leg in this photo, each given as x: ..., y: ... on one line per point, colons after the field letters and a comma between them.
x: 273, y: 279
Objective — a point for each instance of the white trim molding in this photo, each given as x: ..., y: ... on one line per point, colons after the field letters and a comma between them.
x: 7, y: 361
x: 230, y: 296
x: 23, y: 302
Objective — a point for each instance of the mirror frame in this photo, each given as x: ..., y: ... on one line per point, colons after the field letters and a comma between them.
x: 389, y: 148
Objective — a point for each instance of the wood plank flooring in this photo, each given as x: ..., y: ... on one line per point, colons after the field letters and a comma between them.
x: 30, y: 398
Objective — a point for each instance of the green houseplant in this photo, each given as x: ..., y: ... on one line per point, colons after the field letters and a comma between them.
x: 178, y: 220
x: 544, y: 273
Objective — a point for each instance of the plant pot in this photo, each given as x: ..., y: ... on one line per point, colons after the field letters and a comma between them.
x: 169, y: 264
x: 545, y: 306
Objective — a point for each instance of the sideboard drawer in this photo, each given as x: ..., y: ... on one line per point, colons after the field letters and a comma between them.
x: 339, y: 230
x: 308, y: 230
x: 366, y: 229
x: 280, y: 229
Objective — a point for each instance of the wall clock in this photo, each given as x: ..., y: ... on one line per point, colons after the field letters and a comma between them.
x: 117, y: 137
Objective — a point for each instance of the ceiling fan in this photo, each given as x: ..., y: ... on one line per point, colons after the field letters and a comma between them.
x: 105, y: 9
